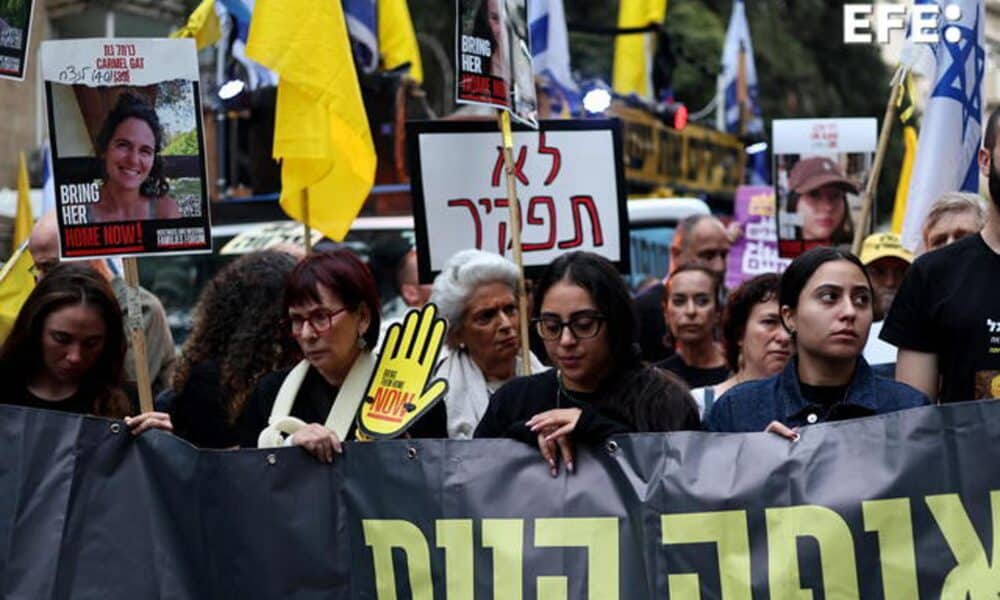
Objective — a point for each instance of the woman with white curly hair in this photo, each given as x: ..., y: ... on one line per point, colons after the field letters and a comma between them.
x: 477, y: 293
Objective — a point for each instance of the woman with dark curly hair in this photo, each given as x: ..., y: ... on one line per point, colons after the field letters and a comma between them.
x: 236, y: 340
x: 66, y: 350
x: 128, y: 148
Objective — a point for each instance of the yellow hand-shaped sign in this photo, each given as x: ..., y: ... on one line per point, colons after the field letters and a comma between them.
x: 400, y: 390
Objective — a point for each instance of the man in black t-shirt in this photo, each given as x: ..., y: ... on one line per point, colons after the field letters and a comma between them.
x: 946, y: 318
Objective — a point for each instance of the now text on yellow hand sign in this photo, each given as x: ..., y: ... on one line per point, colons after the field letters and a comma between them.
x: 401, y: 390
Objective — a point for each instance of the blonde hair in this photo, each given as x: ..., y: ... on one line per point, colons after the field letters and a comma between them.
x: 950, y: 203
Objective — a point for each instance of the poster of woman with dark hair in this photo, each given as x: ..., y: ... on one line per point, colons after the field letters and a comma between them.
x: 127, y: 145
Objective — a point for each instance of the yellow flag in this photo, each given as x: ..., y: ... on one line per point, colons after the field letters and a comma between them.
x: 16, y: 282
x: 321, y: 132
x: 634, y: 52
x: 202, y: 25
x: 906, y: 111
x: 24, y: 219
x: 397, y: 41
x: 903, y: 187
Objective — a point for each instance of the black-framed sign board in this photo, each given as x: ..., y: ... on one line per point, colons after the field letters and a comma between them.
x: 570, y: 186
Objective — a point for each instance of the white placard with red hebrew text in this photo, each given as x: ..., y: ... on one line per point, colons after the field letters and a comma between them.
x: 568, y: 184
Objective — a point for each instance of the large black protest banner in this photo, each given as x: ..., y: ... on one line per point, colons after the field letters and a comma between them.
x: 900, y: 506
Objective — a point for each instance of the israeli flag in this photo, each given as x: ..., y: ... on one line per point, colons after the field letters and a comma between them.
x: 241, y: 12
x: 953, y: 119
x: 550, y: 48
x: 737, y: 39
x: 362, y: 26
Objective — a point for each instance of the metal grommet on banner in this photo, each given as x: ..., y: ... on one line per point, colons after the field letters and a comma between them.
x: 272, y: 459
x: 116, y: 428
x: 411, y: 453
x: 612, y: 446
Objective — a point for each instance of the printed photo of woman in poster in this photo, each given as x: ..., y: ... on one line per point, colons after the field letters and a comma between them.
x: 128, y: 151
x: 491, y: 25
x: 816, y: 194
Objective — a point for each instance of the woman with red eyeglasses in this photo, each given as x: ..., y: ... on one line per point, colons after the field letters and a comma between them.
x: 332, y: 309
x: 599, y: 387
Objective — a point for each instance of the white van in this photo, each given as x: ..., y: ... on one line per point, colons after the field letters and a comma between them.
x: 177, y: 280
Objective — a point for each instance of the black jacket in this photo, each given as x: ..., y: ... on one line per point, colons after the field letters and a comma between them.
x: 523, y: 397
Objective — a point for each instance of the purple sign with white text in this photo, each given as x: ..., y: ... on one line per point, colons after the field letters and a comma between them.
x: 756, y: 251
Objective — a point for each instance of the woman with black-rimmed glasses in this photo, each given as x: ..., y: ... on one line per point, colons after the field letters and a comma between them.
x: 599, y: 387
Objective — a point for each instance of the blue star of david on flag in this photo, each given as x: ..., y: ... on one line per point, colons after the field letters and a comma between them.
x: 951, y: 127
x: 955, y: 79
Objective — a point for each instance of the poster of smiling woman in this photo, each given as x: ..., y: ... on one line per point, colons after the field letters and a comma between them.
x: 15, y: 25
x: 127, y: 146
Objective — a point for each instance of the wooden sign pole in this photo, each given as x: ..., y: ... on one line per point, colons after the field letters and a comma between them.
x: 305, y: 221
x: 883, y: 144
x: 138, y: 335
x: 515, y: 228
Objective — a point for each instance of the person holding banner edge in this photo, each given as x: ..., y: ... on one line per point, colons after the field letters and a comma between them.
x: 599, y: 386
x: 66, y: 350
x: 332, y: 309
x: 826, y: 305
x: 128, y: 148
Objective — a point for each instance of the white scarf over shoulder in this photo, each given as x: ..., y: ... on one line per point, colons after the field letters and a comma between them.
x: 468, y: 393
x: 342, y: 413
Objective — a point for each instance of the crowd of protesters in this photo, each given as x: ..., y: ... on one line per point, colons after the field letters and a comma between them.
x: 283, y: 346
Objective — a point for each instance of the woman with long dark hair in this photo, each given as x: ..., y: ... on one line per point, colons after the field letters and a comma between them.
x: 128, y: 148
x: 599, y: 387
x: 66, y: 350
x: 826, y: 306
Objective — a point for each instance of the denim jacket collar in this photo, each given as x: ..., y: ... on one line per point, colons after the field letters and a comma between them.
x: 860, y: 391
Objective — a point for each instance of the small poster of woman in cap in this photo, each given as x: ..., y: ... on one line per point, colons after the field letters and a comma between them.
x: 821, y: 167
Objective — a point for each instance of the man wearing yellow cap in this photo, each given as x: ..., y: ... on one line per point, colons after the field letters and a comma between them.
x: 886, y: 261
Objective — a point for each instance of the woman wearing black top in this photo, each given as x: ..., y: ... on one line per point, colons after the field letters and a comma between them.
x: 237, y: 339
x: 585, y: 316
x: 691, y: 309
x: 66, y: 350
x: 332, y: 309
